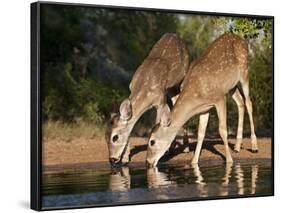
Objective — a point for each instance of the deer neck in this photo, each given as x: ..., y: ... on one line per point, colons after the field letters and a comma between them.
x: 139, y: 106
x: 186, y: 107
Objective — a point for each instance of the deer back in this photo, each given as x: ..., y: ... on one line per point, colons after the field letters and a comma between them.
x: 218, y: 69
x: 164, y: 67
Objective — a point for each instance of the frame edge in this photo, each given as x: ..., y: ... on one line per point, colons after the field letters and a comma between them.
x: 35, y: 184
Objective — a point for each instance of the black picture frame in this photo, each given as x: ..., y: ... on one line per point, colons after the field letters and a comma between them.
x: 36, y: 102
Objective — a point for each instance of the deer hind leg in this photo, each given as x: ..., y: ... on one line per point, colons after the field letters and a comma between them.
x: 241, y: 108
x: 246, y: 91
x: 221, y: 111
x: 203, y: 122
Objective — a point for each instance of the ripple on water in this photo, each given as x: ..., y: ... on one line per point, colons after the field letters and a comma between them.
x: 134, y: 184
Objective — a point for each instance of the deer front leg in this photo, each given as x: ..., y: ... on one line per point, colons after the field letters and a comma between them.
x: 241, y: 108
x: 160, y: 106
x: 126, y: 155
x: 158, y: 113
x: 203, y: 122
x: 184, y: 142
x: 221, y: 111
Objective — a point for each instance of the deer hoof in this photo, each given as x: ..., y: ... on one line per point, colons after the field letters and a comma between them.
x: 186, y: 150
x: 255, y: 151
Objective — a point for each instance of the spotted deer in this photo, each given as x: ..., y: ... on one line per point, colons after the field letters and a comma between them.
x: 218, y: 71
x: 164, y: 68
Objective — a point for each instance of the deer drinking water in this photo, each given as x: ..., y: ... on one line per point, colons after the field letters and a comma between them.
x: 209, y: 79
x: 163, y: 69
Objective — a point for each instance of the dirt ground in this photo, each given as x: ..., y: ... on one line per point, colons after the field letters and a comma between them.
x: 59, y: 153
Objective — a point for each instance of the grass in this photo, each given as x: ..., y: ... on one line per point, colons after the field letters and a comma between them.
x: 68, y: 132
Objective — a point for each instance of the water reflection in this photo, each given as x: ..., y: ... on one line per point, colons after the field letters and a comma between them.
x: 254, y: 178
x: 239, y: 175
x: 139, y: 184
x: 120, y: 179
x: 156, y: 179
x: 225, y: 180
x: 201, y: 185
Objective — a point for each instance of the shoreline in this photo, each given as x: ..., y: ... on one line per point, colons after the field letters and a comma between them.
x: 80, y: 153
x: 104, y: 165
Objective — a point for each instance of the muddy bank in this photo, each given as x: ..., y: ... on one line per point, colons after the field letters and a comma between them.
x: 59, y: 153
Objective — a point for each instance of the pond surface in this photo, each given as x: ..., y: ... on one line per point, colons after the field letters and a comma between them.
x: 137, y: 184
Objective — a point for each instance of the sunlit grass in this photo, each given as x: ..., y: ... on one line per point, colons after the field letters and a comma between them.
x: 68, y: 132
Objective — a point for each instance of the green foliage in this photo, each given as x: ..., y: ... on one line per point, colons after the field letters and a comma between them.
x: 261, y: 88
x: 88, y: 57
x: 197, y: 32
x: 130, y: 35
x: 80, y: 45
x: 67, y: 99
x: 250, y: 29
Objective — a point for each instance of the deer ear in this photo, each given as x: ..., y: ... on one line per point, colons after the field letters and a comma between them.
x: 165, y: 118
x: 125, y: 110
x: 113, y: 115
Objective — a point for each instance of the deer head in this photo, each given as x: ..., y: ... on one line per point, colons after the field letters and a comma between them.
x: 158, y: 144
x: 118, y: 132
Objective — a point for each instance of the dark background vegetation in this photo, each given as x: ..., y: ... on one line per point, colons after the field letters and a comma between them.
x: 88, y: 57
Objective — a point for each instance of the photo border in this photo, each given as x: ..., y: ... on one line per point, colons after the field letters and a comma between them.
x: 36, y: 104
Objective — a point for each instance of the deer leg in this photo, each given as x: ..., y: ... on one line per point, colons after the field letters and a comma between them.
x: 246, y: 90
x: 126, y: 156
x: 158, y: 113
x: 159, y: 107
x: 221, y: 111
x: 241, y: 108
x: 184, y: 141
x: 174, y: 99
x: 203, y: 121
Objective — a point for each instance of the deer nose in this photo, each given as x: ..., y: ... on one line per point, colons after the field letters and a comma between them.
x: 113, y: 160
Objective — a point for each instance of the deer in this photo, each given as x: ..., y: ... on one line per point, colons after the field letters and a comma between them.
x: 209, y: 78
x: 159, y: 74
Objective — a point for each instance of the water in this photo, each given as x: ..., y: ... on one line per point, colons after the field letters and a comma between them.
x: 136, y: 184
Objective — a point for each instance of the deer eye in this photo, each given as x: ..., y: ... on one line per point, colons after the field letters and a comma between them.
x: 115, y: 138
x: 152, y: 142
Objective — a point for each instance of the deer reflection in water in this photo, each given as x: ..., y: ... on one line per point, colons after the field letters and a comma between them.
x: 234, y: 178
x: 120, y: 179
x: 156, y: 179
x: 225, y: 180
x: 201, y: 185
x: 224, y: 189
x: 239, y: 175
x: 255, y: 170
